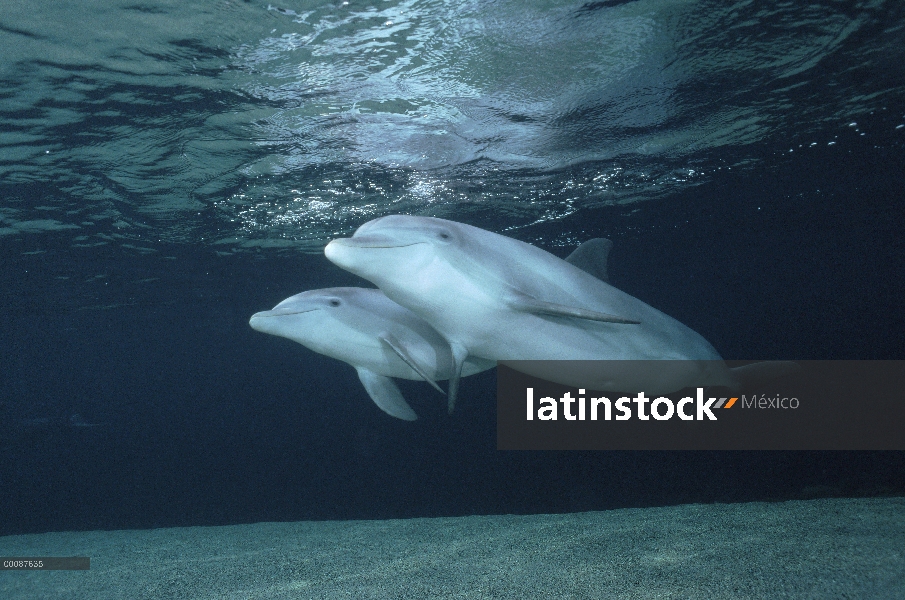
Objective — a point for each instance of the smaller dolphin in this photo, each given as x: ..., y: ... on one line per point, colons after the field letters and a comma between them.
x: 364, y: 328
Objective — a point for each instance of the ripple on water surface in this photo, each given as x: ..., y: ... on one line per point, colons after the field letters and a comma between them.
x: 246, y: 124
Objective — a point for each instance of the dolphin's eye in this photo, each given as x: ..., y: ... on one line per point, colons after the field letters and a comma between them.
x: 334, y: 302
x: 444, y: 235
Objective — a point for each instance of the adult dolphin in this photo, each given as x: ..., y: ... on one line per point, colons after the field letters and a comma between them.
x: 502, y: 299
x: 367, y: 330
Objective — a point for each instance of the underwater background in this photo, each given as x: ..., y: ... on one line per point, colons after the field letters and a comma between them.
x: 169, y: 168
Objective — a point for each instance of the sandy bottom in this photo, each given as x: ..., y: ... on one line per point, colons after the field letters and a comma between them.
x: 838, y: 548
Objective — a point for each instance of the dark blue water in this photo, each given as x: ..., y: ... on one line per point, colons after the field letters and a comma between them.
x: 162, y: 181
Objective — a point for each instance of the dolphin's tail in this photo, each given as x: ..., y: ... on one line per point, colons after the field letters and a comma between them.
x: 763, y: 372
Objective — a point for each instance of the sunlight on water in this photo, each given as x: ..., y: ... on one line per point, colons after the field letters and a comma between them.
x: 249, y: 124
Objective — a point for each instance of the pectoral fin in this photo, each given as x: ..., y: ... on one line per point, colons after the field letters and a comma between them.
x: 386, y: 395
x: 459, y: 354
x: 399, y: 348
x: 525, y: 303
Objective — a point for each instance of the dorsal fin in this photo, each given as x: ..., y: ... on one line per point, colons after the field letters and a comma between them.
x: 592, y: 256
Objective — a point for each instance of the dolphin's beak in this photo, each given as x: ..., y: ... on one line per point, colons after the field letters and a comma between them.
x: 281, y: 312
x: 337, y: 251
x: 369, y: 241
x: 259, y: 320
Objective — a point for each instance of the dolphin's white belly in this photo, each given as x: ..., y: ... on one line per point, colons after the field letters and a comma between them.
x: 657, y: 361
x: 434, y: 359
x: 492, y: 330
x: 489, y: 328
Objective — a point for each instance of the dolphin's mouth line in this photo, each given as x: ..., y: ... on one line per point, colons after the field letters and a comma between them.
x: 358, y: 244
x: 281, y: 313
